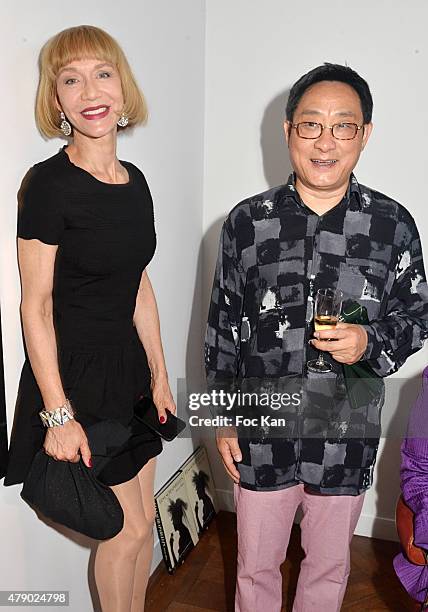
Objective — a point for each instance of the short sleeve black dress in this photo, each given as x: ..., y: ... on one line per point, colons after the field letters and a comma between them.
x: 106, y: 237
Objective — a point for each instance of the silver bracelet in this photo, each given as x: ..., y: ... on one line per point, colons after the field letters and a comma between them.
x: 59, y: 416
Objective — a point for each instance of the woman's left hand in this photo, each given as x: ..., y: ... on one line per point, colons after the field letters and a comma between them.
x: 163, y: 399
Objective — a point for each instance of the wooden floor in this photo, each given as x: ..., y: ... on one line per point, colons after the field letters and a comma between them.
x: 206, y: 580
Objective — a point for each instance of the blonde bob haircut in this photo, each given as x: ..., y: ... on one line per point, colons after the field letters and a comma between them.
x: 82, y: 42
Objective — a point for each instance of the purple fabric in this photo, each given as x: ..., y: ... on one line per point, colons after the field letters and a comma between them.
x: 414, y: 486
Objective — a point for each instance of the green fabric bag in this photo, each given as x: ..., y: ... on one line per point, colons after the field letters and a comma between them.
x: 362, y: 383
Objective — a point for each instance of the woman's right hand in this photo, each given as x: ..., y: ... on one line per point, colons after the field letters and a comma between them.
x: 63, y: 443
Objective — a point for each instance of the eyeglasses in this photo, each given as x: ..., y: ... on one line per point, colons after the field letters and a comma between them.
x: 340, y: 131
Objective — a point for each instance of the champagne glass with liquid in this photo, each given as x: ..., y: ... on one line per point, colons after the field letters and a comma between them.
x: 328, y: 303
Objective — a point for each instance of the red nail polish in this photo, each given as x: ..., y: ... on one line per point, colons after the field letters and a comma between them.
x: 162, y: 419
x: 90, y: 462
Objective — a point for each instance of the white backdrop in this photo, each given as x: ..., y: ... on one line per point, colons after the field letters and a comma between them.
x: 164, y: 42
x: 255, y: 51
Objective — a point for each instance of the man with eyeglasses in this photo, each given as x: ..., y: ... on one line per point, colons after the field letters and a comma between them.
x: 322, y: 229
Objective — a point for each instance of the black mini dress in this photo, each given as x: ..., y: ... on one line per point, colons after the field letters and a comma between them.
x: 106, y: 237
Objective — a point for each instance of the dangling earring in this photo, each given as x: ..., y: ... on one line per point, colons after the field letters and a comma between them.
x: 123, y: 121
x: 65, y: 127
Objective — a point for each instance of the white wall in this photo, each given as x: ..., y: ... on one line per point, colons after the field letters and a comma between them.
x: 254, y: 53
x: 164, y: 42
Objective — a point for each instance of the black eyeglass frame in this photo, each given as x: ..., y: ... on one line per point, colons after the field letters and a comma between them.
x: 326, y: 127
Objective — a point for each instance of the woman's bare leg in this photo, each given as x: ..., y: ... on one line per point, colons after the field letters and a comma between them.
x: 116, y: 559
x: 146, y: 477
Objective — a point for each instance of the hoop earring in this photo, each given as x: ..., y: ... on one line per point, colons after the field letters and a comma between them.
x: 65, y: 127
x: 123, y: 121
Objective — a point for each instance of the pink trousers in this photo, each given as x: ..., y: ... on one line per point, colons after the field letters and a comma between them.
x: 264, y: 525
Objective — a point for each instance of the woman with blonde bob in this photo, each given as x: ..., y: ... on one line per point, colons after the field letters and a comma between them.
x: 90, y: 320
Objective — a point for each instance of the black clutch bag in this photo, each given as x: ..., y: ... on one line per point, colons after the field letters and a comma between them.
x: 70, y: 494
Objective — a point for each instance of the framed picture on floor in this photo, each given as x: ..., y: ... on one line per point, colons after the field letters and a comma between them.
x: 175, y: 522
x: 200, y: 488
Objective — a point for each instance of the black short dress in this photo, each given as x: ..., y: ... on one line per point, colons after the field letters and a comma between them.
x: 106, y: 237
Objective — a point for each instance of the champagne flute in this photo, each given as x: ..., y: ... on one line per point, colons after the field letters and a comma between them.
x: 328, y: 303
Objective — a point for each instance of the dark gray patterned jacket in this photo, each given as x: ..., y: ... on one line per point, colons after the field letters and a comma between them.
x: 274, y: 254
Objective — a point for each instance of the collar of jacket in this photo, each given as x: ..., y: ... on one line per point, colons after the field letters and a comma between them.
x: 353, y: 193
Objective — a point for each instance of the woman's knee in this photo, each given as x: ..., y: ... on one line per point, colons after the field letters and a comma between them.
x: 142, y: 532
x: 150, y: 513
x: 139, y: 518
x: 138, y: 532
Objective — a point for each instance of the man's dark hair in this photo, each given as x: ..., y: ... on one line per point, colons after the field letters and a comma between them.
x: 331, y: 72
